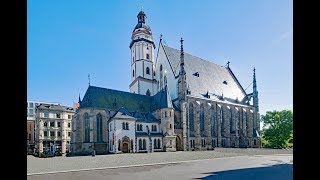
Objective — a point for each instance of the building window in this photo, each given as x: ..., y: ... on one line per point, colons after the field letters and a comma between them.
x: 58, y: 116
x: 45, y: 133
x: 155, y: 144
x: 99, y: 127
x: 144, y: 144
x: 69, y: 116
x: 51, y: 133
x: 46, y: 114
x: 170, y: 142
x: 131, y: 145
x: 59, y: 133
x: 69, y: 125
x: 165, y: 80
x: 140, y: 144
x: 69, y: 134
x: 31, y: 105
x: 191, y: 117
x: 148, y: 56
x: 221, y: 120
x: 160, y: 67
x: 159, y: 143
x: 239, y: 121
x: 165, y: 114
x: 203, y: 143
x: 119, y: 143
x: 170, y: 114
x: 132, y: 59
x: 231, y: 123
x: 148, y: 92
x: 170, y: 126
x: 87, y: 127
x: 30, y: 112
x: 154, y: 73
x: 139, y: 127
x: 51, y: 123
x: 132, y: 73
x: 59, y: 124
x: 123, y: 126
x: 201, y: 119
x: 147, y: 70
x: 154, y: 128
x: 45, y: 124
x: 212, y: 122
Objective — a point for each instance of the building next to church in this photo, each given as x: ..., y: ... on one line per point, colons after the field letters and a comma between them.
x: 31, y: 109
x: 176, y: 102
x: 53, y: 128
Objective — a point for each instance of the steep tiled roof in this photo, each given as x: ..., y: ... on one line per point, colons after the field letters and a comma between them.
x: 204, y: 76
x: 97, y: 97
x: 55, y: 107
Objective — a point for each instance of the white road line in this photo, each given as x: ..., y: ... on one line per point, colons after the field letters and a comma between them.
x: 152, y: 164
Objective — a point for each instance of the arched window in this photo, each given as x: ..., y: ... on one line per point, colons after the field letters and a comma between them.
x: 170, y: 114
x: 160, y: 67
x: 140, y: 144
x: 127, y: 126
x: 148, y: 92
x: 231, y: 123
x: 221, y: 119
x: 123, y: 125
x: 99, y: 128
x: 148, y: 70
x: 159, y: 143
x: 212, y: 119
x: 132, y: 59
x: 155, y: 144
x: 147, y: 56
x: 165, y: 114
x: 239, y: 121
x: 201, y: 119
x: 133, y: 73
x: 141, y: 127
x: 144, y: 144
x: 86, y: 127
x: 191, y: 117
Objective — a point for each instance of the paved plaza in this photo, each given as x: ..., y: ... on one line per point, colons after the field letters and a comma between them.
x: 64, y: 164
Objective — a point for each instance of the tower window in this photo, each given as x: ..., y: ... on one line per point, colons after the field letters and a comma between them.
x: 148, y: 56
x: 132, y: 73
x: 132, y: 59
x: 148, y: 70
x: 161, y: 67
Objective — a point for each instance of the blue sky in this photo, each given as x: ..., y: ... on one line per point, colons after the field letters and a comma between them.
x: 67, y: 40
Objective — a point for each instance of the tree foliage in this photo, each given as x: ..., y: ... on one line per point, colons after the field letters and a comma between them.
x: 278, y: 128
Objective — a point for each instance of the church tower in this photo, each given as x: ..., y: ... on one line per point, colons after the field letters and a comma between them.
x: 142, y: 59
x: 255, y: 91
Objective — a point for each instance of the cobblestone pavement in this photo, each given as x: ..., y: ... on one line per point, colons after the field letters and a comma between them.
x: 56, y: 164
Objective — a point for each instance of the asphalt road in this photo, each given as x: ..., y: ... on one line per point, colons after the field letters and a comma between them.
x: 260, y: 167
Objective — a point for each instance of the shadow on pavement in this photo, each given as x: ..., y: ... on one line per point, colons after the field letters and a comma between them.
x: 275, y: 172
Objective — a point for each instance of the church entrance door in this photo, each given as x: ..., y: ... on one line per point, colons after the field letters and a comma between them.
x: 125, y: 148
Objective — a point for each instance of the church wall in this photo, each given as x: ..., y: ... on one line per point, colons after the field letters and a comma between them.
x: 119, y: 132
x: 144, y: 86
x: 134, y: 88
x: 144, y: 127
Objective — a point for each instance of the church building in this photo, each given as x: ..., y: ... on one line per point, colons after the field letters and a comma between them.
x: 177, y: 102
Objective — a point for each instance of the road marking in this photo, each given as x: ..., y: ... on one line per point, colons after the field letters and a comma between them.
x: 127, y: 166
x: 273, y: 155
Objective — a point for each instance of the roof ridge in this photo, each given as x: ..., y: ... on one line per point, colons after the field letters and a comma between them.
x: 120, y: 91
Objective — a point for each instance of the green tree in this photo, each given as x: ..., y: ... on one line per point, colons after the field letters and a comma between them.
x: 277, y: 128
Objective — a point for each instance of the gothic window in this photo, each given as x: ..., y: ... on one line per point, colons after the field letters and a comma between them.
x: 201, y: 118
x: 87, y: 127
x: 165, y: 114
x: 160, y: 67
x: 131, y: 145
x: 212, y: 122
x: 148, y: 92
x: 231, y: 125
x: 132, y: 73
x: 239, y: 119
x: 221, y: 119
x: 99, y: 128
x: 148, y: 56
x: 154, y: 143
x: 140, y: 144
x: 191, y: 117
x: 132, y: 59
x: 148, y: 70
x: 158, y: 143
x: 123, y: 126
x: 144, y: 144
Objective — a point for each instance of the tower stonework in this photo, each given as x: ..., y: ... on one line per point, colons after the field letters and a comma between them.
x: 142, y: 59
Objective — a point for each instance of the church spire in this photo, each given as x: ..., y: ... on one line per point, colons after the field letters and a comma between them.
x: 255, y: 91
x: 181, y: 58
